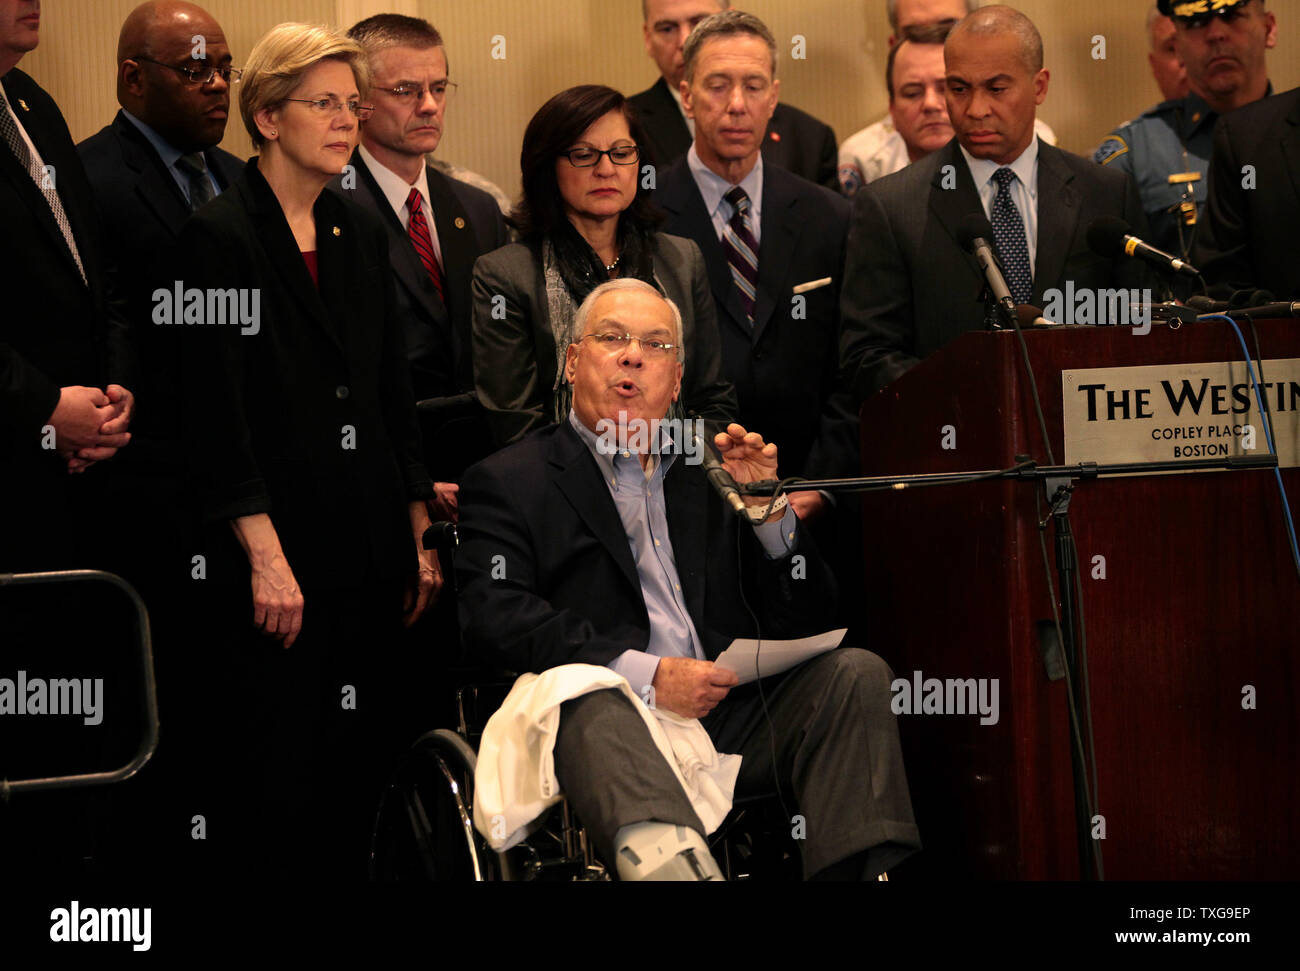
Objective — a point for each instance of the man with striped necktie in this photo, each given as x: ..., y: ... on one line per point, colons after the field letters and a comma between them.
x: 774, y: 247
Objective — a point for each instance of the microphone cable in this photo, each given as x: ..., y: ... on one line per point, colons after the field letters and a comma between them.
x: 1268, y: 429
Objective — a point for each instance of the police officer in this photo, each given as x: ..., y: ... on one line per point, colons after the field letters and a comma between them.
x: 1167, y: 150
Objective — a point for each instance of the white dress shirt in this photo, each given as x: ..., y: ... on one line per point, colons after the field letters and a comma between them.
x: 396, y: 189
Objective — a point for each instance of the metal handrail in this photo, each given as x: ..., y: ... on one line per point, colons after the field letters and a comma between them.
x: 149, y: 744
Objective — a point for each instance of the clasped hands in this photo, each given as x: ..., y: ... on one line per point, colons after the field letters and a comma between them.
x: 91, y: 425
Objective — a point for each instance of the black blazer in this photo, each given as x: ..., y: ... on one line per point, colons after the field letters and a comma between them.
x: 1248, y: 237
x: 57, y: 330
x: 514, y: 356
x: 546, y: 575
x: 311, y: 418
x: 910, y: 288
x: 786, y: 365
x: 437, y: 331
x: 795, y: 140
x: 142, y: 210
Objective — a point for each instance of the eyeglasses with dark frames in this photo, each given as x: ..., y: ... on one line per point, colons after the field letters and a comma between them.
x: 197, y: 75
x: 585, y: 158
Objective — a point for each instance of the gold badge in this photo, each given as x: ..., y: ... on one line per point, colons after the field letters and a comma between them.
x: 337, y: 231
x: 23, y: 104
x: 460, y: 223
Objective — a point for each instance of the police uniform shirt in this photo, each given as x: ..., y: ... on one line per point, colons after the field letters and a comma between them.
x: 1171, y: 138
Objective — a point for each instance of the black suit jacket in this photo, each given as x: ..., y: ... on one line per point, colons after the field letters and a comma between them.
x: 437, y: 330
x: 546, y: 575
x: 142, y: 210
x: 310, y: 419
x: 57, y: 331
x: 1248, y: 238
x: 784, y: 366
x: 909, y: 286
x: 795, y: 140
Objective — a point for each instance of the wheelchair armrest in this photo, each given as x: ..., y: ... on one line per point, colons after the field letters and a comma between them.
x: 441, y: 536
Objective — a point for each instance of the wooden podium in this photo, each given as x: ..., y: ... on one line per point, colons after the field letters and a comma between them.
x: 1198, y: 776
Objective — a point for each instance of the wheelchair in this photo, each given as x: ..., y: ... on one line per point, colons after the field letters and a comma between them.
x: 424, y: 827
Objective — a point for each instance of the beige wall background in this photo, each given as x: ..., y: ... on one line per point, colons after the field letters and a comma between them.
x: 551, y: 44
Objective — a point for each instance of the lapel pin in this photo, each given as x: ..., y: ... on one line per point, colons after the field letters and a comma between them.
x: 460, y: 223
x: 774, y: 135
x: 23, y: 104
x: 337, y: 231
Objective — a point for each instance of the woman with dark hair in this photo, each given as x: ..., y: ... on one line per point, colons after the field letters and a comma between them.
x: 585, y: 217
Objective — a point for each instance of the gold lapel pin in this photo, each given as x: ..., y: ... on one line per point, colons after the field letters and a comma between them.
x: 23, y: 104
x: 460, y: 223
x: 337, y: 231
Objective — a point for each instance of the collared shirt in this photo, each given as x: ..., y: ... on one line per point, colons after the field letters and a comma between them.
x: 638, y: 494
x: 396, y: 190
x: 677, y: 96
x: 879, y: 150
x: 169, y: 155
x: 1024, y: 190
x: 1173, y: 137
x: 713, y: 187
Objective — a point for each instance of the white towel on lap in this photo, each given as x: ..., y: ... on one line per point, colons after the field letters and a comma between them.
x: 515, y: 782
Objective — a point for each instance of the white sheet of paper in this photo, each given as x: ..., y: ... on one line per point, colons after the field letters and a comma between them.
x: 775, y: 656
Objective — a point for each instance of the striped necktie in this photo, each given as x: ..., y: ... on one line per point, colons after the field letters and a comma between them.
x: 418, y: 230
x: 44, y: 179
x: 741, y: 248
x: 1009, y: 235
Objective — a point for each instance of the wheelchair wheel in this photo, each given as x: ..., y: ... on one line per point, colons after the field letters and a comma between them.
x: 424, y: 829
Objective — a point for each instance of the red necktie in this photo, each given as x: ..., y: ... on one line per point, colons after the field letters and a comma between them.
x: 418, y: 230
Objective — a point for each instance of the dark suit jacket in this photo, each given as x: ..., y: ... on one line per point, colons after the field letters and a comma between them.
x: 437, y: 331
x: 1248, y: 238
x: 910, y: 288
x: 795, y: 140
x: 142, y: 210
x: 58, y: 330
x: 514, y: 357
x: 546, y: 574
x: 311, y: 419
x: 784, y: 366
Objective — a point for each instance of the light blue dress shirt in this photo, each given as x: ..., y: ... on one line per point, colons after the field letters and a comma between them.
x: 1024, y: 190
x: 169, y: 155
x: 639, y: 497
x: 713, y: 187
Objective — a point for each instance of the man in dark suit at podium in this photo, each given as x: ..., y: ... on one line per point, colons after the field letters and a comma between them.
x: 908, y: 286
x: 1249, y: 239
x: 437, y: 227
x: 794, y: 139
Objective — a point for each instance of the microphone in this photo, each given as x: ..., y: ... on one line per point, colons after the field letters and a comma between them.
x: 974, y: 234
x: 718, y: 476
x: 1109, y: 235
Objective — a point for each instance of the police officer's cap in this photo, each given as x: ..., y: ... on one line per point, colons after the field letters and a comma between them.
x: 1190, y: 11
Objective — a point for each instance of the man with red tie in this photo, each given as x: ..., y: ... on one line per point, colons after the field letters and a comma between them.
x: 438, y: 227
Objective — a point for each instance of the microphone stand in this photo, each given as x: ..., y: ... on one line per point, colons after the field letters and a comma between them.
x: 1059, y: 482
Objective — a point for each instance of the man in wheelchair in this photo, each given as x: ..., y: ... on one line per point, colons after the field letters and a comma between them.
x: 599, y: 541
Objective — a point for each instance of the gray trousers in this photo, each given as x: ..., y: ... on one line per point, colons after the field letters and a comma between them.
x: 837, y: 761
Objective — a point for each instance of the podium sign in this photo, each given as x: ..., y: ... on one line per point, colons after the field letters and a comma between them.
x: 1167, y: 412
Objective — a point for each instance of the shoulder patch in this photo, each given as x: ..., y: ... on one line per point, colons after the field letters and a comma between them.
x: 1112, y: 148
